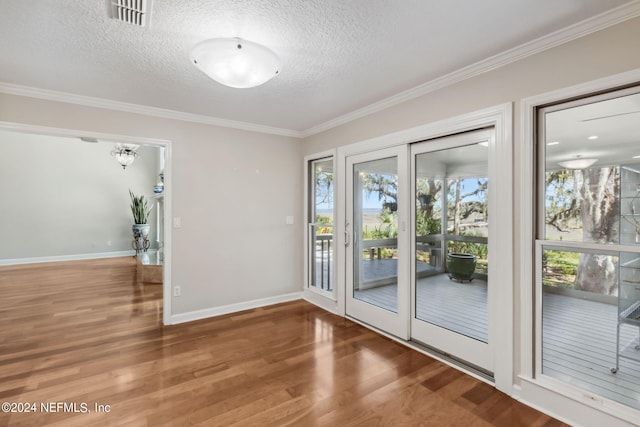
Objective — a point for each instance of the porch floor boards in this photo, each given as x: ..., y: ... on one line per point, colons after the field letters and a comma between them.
x: 579, y: 347
x: 437, y: 297
x: 579, y: 335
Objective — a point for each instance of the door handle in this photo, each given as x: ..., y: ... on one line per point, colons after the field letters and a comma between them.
x: 346, y: 234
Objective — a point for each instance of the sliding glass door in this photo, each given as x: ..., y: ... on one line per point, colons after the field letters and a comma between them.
x: 419, y: 239
x: 451, y: 290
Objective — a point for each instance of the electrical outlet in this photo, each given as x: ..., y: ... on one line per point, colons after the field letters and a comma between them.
x: 176, y: 291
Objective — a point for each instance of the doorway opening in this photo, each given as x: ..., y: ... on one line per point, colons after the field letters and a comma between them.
x: 73, y: 200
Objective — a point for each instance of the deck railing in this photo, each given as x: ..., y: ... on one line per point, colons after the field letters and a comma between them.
x: 321, y: 251
x: 321, y: 256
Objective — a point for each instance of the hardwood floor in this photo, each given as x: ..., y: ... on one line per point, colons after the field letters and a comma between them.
x: 86, y: 333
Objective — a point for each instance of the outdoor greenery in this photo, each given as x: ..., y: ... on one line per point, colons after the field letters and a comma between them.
x: 324, y: 219
x: 480, y: 250
x: 140, y: 209
x: 387, y: 229
x: 427, y: 225
x: 580, y: 205
x: 559, y: 268
x: 323, y: 186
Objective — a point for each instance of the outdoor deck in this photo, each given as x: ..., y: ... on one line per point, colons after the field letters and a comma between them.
x: 579, y: 335
x: 435, y: 299
x: 579, y: 347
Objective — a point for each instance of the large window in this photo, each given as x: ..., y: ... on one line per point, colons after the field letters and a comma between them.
x: 320, y: 224
x: 588, y: 244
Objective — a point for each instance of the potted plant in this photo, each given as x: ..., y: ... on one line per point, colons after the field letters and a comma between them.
x: 461, y: 266
x: 141, y: 211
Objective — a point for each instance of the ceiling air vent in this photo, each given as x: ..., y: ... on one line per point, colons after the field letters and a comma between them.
x: 131, y: 11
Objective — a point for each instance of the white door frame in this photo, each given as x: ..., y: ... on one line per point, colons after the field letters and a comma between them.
x: 168, y: 175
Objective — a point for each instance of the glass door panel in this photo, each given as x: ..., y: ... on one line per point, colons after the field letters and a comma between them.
x: 375, y: 227
x: 377, y: 279
x: 451, y: 241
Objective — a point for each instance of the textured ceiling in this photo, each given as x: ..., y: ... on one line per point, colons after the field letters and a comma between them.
x: 338, y: 56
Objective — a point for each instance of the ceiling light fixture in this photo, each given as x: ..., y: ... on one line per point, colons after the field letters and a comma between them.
x: 553, y: 143
x: 235, y: 62
x: 577, y: 163
x: 592, y: 137
x: 125, y: 154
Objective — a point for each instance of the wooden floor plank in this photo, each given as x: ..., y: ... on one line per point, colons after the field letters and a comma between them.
x: 578, y: 340
x: 87, y: 332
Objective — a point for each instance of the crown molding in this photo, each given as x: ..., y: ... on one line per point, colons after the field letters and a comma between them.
x: 599, y: 22
x: 51, y: 95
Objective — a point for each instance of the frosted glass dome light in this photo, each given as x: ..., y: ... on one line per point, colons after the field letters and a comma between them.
x: 235, y: 62
x: 577, y: 163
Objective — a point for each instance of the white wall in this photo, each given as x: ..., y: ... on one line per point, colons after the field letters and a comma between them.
x: 63, y: 197
x: 232, y: 190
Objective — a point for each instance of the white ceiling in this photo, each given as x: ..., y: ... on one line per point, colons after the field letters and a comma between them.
x: 338, y: 56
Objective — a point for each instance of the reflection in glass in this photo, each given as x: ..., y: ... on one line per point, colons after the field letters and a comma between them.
x: 321, y: 263
x: 451, y: 251
x: 591, y: 334
x: 375, y: 230
x: 591, y: 286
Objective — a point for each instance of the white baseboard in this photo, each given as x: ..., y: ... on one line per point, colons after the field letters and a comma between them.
x: 232, y: 308
x: 75, y: 257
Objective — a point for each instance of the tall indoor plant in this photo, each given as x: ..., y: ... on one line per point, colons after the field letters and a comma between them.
x: 140, y: 210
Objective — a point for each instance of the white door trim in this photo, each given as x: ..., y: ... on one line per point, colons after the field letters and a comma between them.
x: 168, y: 176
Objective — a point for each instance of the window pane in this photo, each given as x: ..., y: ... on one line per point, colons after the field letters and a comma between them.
x: 323, y: 191
x: 375, y: 224
x: 452, y: 228
x: 321, y: 262
x: 580, y: 325
x: 591, y: 170
x: 589, y: 183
